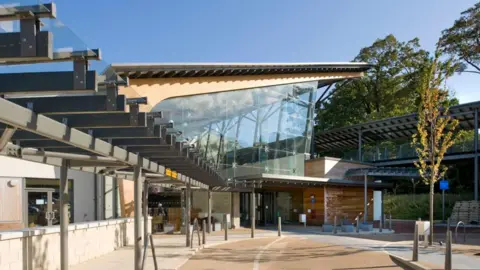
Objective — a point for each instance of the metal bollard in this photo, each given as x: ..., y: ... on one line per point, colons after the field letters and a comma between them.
x: 358, y: 224
x: 380, y: 226
x: 225, y: 226
x: 335, y: 225
x: 448, y: 251
x: 204, y: 228
x: 415, y: 244
x: 390, y: 222
x: 279, y: 226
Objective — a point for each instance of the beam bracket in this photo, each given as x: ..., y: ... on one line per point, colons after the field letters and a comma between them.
x: 112, y: 92
x: 80, y: 66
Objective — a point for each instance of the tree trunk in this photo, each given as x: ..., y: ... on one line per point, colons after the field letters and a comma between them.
x: 430, y: 239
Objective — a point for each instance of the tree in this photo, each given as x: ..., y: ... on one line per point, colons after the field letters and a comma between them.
x: 435, y: 128
x: 388, y: 89
x: 462, y: 40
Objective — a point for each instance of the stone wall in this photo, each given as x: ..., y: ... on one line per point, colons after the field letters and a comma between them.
x: 39, y: 248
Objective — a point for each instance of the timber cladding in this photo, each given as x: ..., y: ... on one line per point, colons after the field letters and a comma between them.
x: 314, y: 205
x: 346, y: 202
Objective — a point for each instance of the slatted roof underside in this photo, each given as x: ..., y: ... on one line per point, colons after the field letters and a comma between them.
x: 162, y: 70
x: 394, y: 128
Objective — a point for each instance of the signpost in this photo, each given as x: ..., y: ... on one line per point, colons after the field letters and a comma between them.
x: 443, y: 187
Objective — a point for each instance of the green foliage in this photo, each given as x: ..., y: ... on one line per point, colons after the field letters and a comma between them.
x: 388, y: 89
x: 409, y: 206
x: 462, y: 40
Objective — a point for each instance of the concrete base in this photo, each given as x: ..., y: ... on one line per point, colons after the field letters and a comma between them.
x: 366, y: 227
x: 327, y: 228
x: 348, y: 228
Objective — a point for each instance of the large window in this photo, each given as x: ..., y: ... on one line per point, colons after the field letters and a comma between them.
x: 250, y: 131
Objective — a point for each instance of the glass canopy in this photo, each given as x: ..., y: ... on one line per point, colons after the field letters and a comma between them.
x: 248, y: 131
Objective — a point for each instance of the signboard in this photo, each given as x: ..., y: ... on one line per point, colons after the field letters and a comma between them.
x: 443, y: 184
x: 174, y: 174
x: 168, y: 172
x: 302, y: 218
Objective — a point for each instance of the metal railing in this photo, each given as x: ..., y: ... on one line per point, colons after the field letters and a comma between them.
x: 464, y: 232
x: 145, y: 247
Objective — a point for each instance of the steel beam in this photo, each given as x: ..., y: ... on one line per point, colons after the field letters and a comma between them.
x: 46, y: 38
x: 70, y: 104
x: 13, y: 50
x: 12, y: 13
x: 46, y: 82
x: 6, y: 136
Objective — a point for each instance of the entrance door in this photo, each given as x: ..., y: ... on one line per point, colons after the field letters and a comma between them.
x: 38, y: 203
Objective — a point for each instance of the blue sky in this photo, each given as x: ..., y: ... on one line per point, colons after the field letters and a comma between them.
x: 258, y: 31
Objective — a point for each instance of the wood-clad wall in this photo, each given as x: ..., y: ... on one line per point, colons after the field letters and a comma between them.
x: 347, y: 202
x: 316, y: 215
x: 327, y: 167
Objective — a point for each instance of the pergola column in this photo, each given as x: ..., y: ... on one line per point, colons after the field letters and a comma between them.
x: 209, y: 210
x: 365, y: 200
x: 475, y: 166
x: 360, y: 145
x: 145, y: 211
x: 252, y: 214
x: 137, y: 197
x: 64, y: 215
x: 187, y: 213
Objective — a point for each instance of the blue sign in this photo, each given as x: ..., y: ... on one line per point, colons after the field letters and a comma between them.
x: 443, y: 184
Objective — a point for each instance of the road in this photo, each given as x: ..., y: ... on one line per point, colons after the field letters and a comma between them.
x: 291, y: 252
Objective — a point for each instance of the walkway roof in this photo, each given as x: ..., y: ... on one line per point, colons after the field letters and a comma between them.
x: 186, y: 70
x: 394, y: 128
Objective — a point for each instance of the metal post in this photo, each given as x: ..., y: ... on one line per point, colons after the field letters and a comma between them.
x: 187, y: 214
x: 153, y: 252
x: 335, y: 225
x: 137, y: 196
x: 204, y: 226
x: 232, y: 208
x: 365, y: 206
x: 448, y: 224
x: 209, y: 210
x: 64, y: 215
x: 443, y: 205
x: 475, y: 148
x: 279, y: 226
x: 415, y: 244
x: 448, y: 251
x: 145, y: 211
x: 358, y: 224
x: 390, y: 222
x: 381, y: 225
x: 360, y: 145
x: 225, y: 226
x: 252, y: 214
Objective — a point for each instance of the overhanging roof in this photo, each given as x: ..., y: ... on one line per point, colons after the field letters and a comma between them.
x: 394, y: 128
x: 186, y: 70
x: 289, y: 180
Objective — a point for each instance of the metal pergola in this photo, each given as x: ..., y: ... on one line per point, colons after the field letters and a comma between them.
x: 76, y: 120
x: 397, y: 128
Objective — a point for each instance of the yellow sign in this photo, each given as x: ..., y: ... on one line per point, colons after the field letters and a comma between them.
x: 168, y: 172
x: 174, y: 174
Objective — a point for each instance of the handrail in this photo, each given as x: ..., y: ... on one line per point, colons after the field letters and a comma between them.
x: 464, y: 232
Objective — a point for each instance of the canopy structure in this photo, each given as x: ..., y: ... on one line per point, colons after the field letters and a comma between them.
x: 384, y: 172
x: 394, y: 128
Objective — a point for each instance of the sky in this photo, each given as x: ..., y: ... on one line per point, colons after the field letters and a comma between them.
x: 257, y: 30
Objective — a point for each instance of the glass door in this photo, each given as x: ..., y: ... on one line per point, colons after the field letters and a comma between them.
x: 39, y: 207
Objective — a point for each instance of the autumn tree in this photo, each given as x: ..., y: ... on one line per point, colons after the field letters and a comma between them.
x: 462, y: 40
x: 435, y: 128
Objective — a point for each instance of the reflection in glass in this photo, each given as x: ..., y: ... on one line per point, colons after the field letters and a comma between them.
x: 248, y: 132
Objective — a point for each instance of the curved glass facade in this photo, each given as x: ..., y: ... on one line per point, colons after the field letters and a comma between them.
x: 249, y: 131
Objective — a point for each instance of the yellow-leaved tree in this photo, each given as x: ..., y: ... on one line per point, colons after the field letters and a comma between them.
x: 435, y: 128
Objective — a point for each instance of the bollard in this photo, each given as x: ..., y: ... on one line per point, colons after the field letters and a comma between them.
x: 358, y: 224
x: 448, y: 251
x: 415, y: 244
x: 335, y: 225
x: 279, y: 226
x: 390, y: 222
x: 225, y: 226
x: 204, y: 227
x: 380, y: 226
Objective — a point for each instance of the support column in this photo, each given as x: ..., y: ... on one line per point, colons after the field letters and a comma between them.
x: 187, y: 213
x: 115, y: 198
x: 253, y: 210
x: 360, y: 145
x: 209, y: 210
x: 232, y: 210
x: 475, y: 166
x: 275, y: 215
x: 365, y: 200
x: 145, y: 211
x: 137, y: 197
x: 64, y: 215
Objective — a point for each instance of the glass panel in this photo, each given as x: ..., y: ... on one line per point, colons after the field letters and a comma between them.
x: 37, y: 208
x: 250, y: 131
